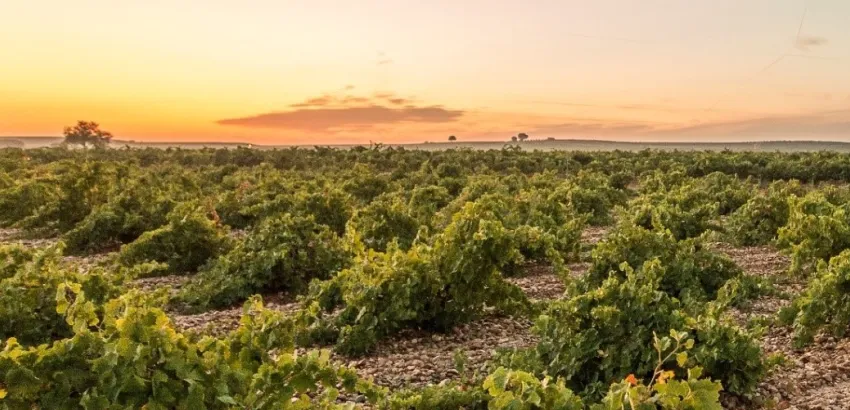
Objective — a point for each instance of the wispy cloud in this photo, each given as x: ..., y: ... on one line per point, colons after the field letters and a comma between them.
x: 594, y: 129
x: 334, y: 112
x: 826, y: 124
x: 805, y: 43
x: 383, y: 59
x: 823, y: 125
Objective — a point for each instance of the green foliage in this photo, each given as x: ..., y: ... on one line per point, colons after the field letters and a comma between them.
x: 693, y: 393
x: 511, y: 389
x: 331, y: 207
x: 728, y: 191
x: 663, y: 391
x: 281, y: 253
x: 185, y: 243
x: 523, y: 391
x: 384, y: 220
x: 607, y: 332
x: 444, y: 397
x: 12, y: 258
x: 364, y: 184
x: 132, y: 357
x: 816, y: 230
x: 760, y: 218
x: 20, y: 200
x: 80, y: 187
x: 728, y: 353
x: 660, y: 214
x: 28, y: 290
x: 591, y: 195
x: 399, y: 239
x: 432, y: 287
x: 140, y: 206
x: 691, y: 272
x: 825, y: 304
x: 426, y: 201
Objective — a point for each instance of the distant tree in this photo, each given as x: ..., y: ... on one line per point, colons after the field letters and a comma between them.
x: 513, y: 138
x: 85, y: 133
x: 452, y: 138
x: 522, y: 136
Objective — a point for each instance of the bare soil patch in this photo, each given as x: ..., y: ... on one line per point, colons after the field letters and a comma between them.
x: 816, y: 377
x: 417, y: 359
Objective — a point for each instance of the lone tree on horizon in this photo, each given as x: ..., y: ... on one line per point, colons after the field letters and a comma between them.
x: 522, y: 136
x: 513, y: 139
x: 85, y: 133
x: 452, y: 138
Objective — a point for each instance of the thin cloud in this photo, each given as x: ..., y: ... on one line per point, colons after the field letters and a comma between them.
x: 316, y: 102
x: 383, y: 59
x: 827, y: 124
x: 329, y: 113
x: 591, y: 129
x: 348, y: 100
x: 393, y: 99
x: 805, y: 43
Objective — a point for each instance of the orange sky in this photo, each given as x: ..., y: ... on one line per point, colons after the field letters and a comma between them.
x: 323, y: 72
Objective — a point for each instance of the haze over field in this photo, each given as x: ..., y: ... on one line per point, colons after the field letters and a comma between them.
x: 338, y: 72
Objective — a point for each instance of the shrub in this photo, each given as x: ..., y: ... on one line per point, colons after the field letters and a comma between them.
x: 607, y: 333
x: 132, y: 357
x: 80, y: 188
x: 426, y: 201
x: 140, y: 207
x: 663, y: 390
x: 28, y: 293
x: 428, y: 287
x: 443, y: 397
x: 728, y: 191
x: 591, y: 195
x: 185, y: 243
x: 21, y: 200
x: 825, y: 304
x: 691, y: 272
x: 520, y: 390
x: 365, y: 185
x: 280, y: 254
x: 12, y: 258
x: 666, y: 213
x: 384, y: 220
x: 816, y: 230
x: 760, y: 218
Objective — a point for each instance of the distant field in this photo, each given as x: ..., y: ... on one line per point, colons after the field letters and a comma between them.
x: 541, y: 145
x: 595, y: 145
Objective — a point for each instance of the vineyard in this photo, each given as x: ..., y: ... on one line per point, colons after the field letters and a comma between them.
x: 385, y: 278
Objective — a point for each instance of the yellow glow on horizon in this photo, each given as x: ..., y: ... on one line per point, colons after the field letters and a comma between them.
x: 614, y: 69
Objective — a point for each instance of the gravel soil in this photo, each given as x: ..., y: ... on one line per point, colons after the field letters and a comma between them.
x: 816, y: 377
x: 418, y: 359
x: 593, y: 234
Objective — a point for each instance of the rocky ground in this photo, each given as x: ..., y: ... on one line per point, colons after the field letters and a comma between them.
x: 816, y: 377
x: 418, y: 359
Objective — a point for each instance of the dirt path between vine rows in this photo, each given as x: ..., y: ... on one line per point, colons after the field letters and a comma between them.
x: 816, y: 377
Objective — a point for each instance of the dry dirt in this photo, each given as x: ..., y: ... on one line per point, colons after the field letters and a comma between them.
x: 816, y: 377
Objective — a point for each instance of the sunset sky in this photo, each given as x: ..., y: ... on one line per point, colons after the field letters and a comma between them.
x: 324, y: 72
